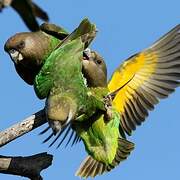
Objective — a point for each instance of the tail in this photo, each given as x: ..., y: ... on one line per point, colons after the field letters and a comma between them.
x: 124, y: 149
x: 91, y: 167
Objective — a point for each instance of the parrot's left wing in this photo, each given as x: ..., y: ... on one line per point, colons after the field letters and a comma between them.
x: 151, y: 75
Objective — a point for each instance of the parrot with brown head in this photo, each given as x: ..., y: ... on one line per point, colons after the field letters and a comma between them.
x: 29, y: 50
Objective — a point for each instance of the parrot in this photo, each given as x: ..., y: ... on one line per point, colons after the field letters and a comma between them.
x: 28, y: 11
x: 134, y: 89
x: 94, y: 69
x: 29, y: 50
x: 29, y: 58
x: 70, y: 100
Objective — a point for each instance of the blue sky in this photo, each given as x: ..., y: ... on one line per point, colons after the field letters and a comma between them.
x: 125, y: 28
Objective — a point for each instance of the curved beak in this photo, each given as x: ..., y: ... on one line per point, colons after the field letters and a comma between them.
x: 15, y: 55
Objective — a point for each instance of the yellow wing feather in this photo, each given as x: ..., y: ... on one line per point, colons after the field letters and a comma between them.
x: 155, y: 73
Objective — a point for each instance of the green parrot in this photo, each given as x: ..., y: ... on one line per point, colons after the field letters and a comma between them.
x: 135, y: 87
x: 29, y: 58
x: 28, y: 11
x: 71, y: 101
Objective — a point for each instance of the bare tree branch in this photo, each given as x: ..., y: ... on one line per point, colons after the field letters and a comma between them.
x: 22, y: 128
x: 30, y: 166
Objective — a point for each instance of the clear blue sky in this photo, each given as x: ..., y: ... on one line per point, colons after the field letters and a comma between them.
x: 125, y: 27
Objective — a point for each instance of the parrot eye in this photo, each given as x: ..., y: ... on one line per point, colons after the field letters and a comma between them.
x: 99, y: 61
x: 21, y: 45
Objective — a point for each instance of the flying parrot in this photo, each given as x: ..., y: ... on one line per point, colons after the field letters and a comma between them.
x: 28, y: 11
x: 69, y: 99
x: 93, y: 66
x: 135, y: 87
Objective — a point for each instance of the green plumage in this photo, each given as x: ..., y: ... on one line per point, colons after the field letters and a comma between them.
x: 70, y: 100
x: 68, y: 95
x: 67, y: 92
x: 104, y: 143
x: 101, y: 137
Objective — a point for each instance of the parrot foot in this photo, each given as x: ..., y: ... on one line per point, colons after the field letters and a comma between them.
x: 108, y: 107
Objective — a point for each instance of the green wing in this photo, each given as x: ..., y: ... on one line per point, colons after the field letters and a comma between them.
x: 86, y: 30
x: 49, y: 73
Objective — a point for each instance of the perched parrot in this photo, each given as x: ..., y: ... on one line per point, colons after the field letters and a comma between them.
x: 28, y: 11
x: 29, y: 50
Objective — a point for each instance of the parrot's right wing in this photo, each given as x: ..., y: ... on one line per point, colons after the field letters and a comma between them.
x: 48, y: 76
x: 84, y: 33
x: 146, y: 78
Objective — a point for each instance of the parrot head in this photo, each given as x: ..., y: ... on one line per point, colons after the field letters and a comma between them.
x: 94, y: 69
x: 28, y: 51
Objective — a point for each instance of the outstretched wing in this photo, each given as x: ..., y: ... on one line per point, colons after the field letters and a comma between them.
x: 152, y: 74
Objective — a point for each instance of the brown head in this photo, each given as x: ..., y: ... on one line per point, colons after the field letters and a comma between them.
x: 28, y: 51
x: 94, y: 69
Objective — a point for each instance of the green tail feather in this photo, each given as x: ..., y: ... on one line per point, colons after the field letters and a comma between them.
x: 91, y: 167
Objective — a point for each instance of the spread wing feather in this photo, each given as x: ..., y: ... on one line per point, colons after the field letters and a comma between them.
x: 155, y: 73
